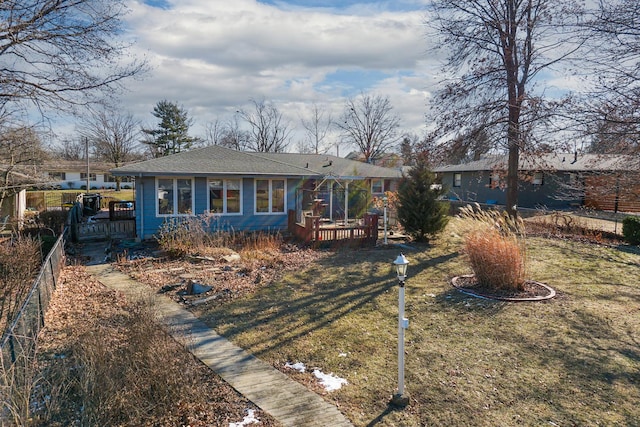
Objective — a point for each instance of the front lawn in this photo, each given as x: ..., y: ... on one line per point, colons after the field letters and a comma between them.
x: 574, y: 360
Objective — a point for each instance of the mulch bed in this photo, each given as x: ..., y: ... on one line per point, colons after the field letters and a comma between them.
x: 532, y: 290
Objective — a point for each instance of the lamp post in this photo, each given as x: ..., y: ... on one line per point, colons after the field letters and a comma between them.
x: 385, y: 201
x: 401, y: 398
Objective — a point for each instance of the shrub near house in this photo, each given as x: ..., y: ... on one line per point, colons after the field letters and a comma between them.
x: 631, y: 230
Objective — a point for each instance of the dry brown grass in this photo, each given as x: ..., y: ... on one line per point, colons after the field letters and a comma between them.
x: 19, y: 264
x: 497, y: 260
x: 495, y: 246
x: 191, y: 235
x: 105, y: 361
x: 205, y: 235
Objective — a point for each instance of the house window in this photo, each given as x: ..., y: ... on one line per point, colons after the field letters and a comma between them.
x: 57, y: 176
x: 457, y: 179
x: 83, y: 176
x: 573, y: 180
x: 377, y: 186
x: 109, y: 178
x: 494, y: 180
x: 270, y: 196
x: 538, y: 178
x: 174, y: 196
x: 225, y: 196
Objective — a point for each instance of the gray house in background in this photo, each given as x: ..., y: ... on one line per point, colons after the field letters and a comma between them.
x: 250, y: 191
x: 554, y: 181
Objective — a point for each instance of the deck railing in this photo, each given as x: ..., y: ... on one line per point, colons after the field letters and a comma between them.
x: 314, y: 231
x: 105, y: 230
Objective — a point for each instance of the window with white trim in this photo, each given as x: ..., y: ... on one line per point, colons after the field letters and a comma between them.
x: 457, y: 179
x: 56, y: 176
x: 377, y: 186
x: 174, y: 196
x: 538, y: 178
x: 270, y: 196
x: 494, y: 180
x: 225, y: 196
x: 83, y: 176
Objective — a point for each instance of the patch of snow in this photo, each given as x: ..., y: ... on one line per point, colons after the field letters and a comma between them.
x: 330, y: 382
x: 342, y: 355
x: 249, y: 419
x: 297, y: 366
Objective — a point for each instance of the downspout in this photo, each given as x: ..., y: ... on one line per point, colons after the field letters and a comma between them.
x: 331, y: 200
x: 346, y: 203
x: 141, y: 198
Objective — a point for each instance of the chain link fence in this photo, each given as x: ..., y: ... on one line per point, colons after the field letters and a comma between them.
x: 18, y: 341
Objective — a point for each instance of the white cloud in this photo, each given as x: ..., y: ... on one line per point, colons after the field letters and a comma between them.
x: 212, y: 56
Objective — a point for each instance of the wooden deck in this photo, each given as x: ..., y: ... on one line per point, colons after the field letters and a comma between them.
x: 316, y: 231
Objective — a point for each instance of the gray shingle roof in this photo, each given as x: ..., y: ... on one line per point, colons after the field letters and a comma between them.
x: 551, y: 162
x: 217, y: 160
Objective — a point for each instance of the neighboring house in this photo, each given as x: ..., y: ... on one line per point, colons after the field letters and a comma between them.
x: 73, y: 175
x: 554, y: 181
x: 252, y: 191
x: 387, y: 160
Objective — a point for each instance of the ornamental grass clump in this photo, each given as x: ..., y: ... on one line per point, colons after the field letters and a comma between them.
x: 495, y: 246
x: 194, y: 235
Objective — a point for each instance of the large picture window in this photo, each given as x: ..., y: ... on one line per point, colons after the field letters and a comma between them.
x: 225, y: 196
x: 174, y: 196
x: 270, y: 196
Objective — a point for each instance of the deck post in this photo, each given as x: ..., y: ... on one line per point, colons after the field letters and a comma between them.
x: 308, y: 228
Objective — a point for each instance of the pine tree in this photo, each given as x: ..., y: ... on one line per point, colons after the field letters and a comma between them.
x: 172, y: 134
x: 419, y: 211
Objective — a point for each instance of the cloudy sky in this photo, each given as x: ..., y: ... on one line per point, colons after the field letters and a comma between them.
x: 213, y: 56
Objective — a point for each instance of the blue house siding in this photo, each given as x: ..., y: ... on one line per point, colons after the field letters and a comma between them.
x: 149, y: 222
x: 475, y: 186
x: 202, y: 164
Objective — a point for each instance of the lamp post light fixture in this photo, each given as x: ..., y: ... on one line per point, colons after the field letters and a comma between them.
x: 401, y: 399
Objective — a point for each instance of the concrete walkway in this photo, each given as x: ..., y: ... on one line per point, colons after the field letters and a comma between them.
x: 287, y: 401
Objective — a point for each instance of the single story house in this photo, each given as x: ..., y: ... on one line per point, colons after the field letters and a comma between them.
x: 554, y: 181
x: 252, y: 191
x: 67, y: 174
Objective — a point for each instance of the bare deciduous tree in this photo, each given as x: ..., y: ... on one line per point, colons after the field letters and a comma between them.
x: 227, y: 134
x: 613, y: 108
x: 269, y: 132
x: 69, y: 149
x: 317, y: 128
x: 62, y: 53
x: 369, y: 123
x: 113, y: 136
x: 20, y: 154
x: 496, y: 53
